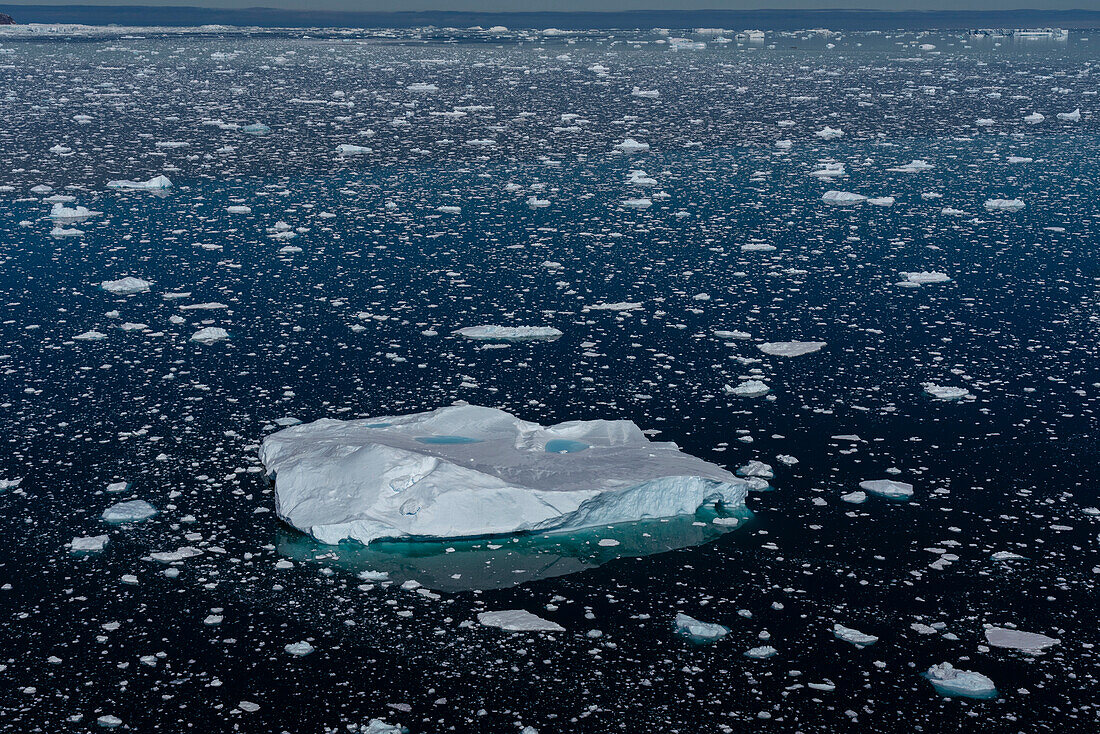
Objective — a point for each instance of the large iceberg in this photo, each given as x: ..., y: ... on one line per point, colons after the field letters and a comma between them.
x: 468, y: 471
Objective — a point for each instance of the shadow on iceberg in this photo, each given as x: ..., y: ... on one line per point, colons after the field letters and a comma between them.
x: 501, y: 562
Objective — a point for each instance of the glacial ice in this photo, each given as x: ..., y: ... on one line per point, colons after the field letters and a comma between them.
x: 153, y: 184
x: 842, y: 198
x: 518, y: 620
x: 466, y: 471
x: 950, y: 681
x: 209, y: 335
x: 509, y: 333
x: 1018, y: 640
x: 88, y: 544
x: 857, y: 638
x: 748, y: 389
x: 697, y: 631
x: 126, y: 286
x: 789, y: 349
x: 1008, y: 205
x: 944, y: 392
x: 888, y: 488
x: 60, y: 211
x: 132, y: 511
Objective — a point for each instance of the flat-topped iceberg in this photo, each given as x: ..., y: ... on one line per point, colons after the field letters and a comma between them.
x: 126, y: 286
x: 468, y: 471
x: 950, y: 681
x: 154, y: 184
x: 509, y: 333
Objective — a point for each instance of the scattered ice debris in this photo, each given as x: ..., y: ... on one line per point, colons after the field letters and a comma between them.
x: 943, y: 392
x: 888, y: 488
x: 789, y: 349
x: 1007, y: 205
x: 88, y: 544
x: 155, y: 183
x: 748, y: 389
x: 209, y: 335
x: 126, y: 286
x: 467, y: 470
x: 857, y: 638
x: 843, y: 198
x: 518, y: 620
x: 1018, y: 640
x: 696, y: 631
x: 509, y: 333
x: 950, y: 681
x: 299, y: 649
x: 132, y: 511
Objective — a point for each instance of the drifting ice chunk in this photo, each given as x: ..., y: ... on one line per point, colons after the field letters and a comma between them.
x: 518, y: 620
x: 697, y: 631
x: 620, y: 306
x: 209, y: 335
x: 132, y: 511
x: 88, y: 544
x: 925, y: 277
x: 90, y: 336
x: 856, y: 498
x: 748, y: 389
x: 179, y: 554
x: 789, y: 349
x: 915, y: 166
x: 1035, y: 118
x: 157, y: 182
x: 941, y: 392
x: 346, y: 149
x: 950, y: 681
x: 60, y: 211
x: 1017, y: 640
x: 855, y: 637
x: 508, y: 333
x: 422, y: 87
x: 468, y: 471
x: 829, y: 133
x: 126, y: 286
x: 299, y: 649
x: 882, y: 201
x: 762, y: 652
x: 630, y: 145
x: 842, y: 198
x: 1074, y: 116
x: 1008, y: 205
x: 888, y: 488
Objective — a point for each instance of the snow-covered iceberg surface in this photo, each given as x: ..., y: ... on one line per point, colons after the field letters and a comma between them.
x: 468, y: 471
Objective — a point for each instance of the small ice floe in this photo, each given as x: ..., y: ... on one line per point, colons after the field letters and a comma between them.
x: 1007, y: 556
x: 645, y: 93
x: 950, y: 681
x: 829, y: 133
x: 90, y: 336
x: 789, y: 349
x: 842, y: 198
x: 829, y: 170
x: 299, y: 649
x: 916, y: 166
x: 732, y: 334
x: 945, y: 392
x: 1004, y: 205
x: 856, y: 498
x: 1019, y: 159
x: 449, y: 209
x: 518, y: 620
x: 948, y: 211
x: 696, y: 631
x: 1074, y: 116
x: 6, y: 484
x: 924, y: 277
x: 888, y: 488
x: 536, y: 203
x: 630, y: 145
x: 346, y: 149
x: 153, y: 184
x: 256, y: 128
x: 1035, y: 118
x: 118, y: 486
x: 881, y: 201
x: 66, y: 232
x: 61, y: 149
x: 638, y: 203
x: 422, y: 87
x: 509, y: 333
x: 88, y: 544
x: 1018, y: 640
x: 748, y: 389
x: 617, y: 306
x: 209, y: 335
x: 783, y: 144
x: 238, y: 209
x: 855, y: 637
x: 756, y: 469
x: 126, y: 286
x: 132, y: 511
x: 60, y: 211
x: 762, y: 652
x: 757, y: 247
x: 180, y: 554
x: 107, y: 721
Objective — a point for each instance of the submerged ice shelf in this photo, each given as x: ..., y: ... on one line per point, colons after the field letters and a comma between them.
x: 468, y: 471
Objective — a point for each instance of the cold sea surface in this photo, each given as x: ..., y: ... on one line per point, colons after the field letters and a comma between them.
x: 661, y: 204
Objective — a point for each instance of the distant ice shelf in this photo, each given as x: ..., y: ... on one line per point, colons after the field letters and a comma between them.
x: 469, y: 471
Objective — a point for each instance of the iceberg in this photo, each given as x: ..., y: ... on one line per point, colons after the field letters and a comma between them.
x: 1074, y: 116
x: 346, y: 149
x: 1008, y: 205
x: 696, y: 631
x: 915, y: 166
x: 630, y: 145
x: 888, y: 488
x: 508, y: 333
x: 925, y: 277
x: 1018, y: 640
x: 132, y: 511
x: 126, y: 286
x: 518, y: 620
x: 209, y: 335
x: 829, y: 133
x: 950, y: 681
x: 748, y: 389
x: 842, y: 198
x: 945, y: 392
x: 789, y: 349
x: 88, y: 544
x: 857, y: 638
x: 467, y: 471
x: 153, y: 184
x: 60, y: 211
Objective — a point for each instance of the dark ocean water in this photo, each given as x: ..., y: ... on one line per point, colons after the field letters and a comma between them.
x: 335, y: 329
